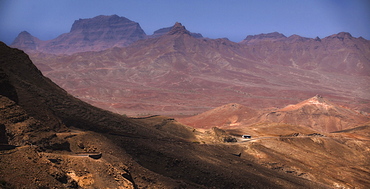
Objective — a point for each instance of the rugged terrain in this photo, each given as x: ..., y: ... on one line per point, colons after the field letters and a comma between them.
x: 40, y: 148
x: 176, y: 73
x: 51, y: 139
x: 47, y: 136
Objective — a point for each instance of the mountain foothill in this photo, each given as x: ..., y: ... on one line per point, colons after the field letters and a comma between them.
x: 108, y: 106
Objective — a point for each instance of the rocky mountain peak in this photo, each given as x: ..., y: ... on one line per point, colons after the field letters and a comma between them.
x: 164, y: 31
x: 273, y: 35
x: 341, y: 36
x: 22, y: 37
x: 102, y: 21
x: 24, y: 34
x: 25, y: 40
x: 178, y: 28
x: 317, y: 100
x: 92, y: 34
x: 297, y: 38
x: 317, y: 38
x: 107, y: 28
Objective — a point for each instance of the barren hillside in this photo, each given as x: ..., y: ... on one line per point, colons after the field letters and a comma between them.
x: 51, y: 135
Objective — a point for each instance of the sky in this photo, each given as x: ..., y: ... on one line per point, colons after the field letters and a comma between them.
x: 233, y: 19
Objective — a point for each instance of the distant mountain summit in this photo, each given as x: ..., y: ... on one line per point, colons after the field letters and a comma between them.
x: 341, y: 36
x: 108, y: 28
x: 174, y: 29
x: 92, y: 34
x: 178, y: 28
x: 26, y: 41
x: 269, y: 36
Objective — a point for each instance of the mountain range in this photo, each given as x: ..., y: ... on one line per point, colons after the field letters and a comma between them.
x: 179, y: 72
x: 95, y: 34
x: 51, y: 139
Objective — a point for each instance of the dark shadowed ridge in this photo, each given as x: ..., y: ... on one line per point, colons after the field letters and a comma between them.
x: 44, y: 100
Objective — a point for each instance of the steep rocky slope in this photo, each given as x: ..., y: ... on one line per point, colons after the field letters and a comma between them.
x: 33, y: 111
x: 48, y: 136
x: 154, y: 152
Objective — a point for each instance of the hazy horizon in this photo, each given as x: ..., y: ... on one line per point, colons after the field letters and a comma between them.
x: 213, y: 19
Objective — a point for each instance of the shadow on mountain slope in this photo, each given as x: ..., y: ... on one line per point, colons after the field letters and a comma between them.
x: 148, y: 153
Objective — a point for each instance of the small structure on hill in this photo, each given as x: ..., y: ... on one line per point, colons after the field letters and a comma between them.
x: 246, y: 136
x: 95, y: 156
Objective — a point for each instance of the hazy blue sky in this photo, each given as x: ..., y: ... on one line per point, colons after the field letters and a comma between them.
x: 234, y: 19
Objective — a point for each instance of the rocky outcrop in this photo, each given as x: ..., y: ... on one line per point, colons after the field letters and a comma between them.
x: 341, y: 36
x: 178, y: 28
x: 264, y: 37
x: 108, y: 30
x: 164, y: 31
